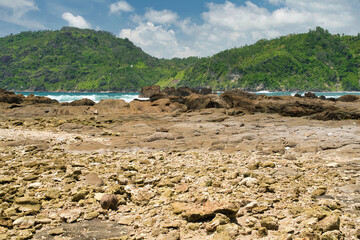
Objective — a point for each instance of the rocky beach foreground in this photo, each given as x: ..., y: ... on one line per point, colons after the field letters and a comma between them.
x: 185, y: 164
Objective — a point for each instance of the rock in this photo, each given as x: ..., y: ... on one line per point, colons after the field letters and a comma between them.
x: 70, y: 215
x: 268, y: 165
x: 262, y: 232
x: 35, y: 185
x: 227, y: 231
x: 91, y: 215
x: 93, y: 179
x: 333, y: 165
x: 109, y: 201
x: 173, y: 235
x: 126, y: 220
x: 56, y: 231
x: 319, y: 192
x: 160, y: 136
x: 250, y: 182
x: 98, y: 196
x: 196, y: 101
x: 27, y: 200
x: 28, y: 205
x: 179, y: 207
x: 348, y: 98
x: 80, y: 195
x: 82, y: 102
x: 331, y: 235
x: 310, y: 95
x: 24, y: 234
x: 6, y: 179
x: 31, y: 177
x: 219, y: 219
x: 149, y: 91
x: 270, y: 223
x: 25, y: 222
x: 331, y: 204
x: 209, y: 210
x: 329, y: 223
x: 52, y: 194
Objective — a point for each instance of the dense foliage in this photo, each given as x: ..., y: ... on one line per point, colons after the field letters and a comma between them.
x: 316, y: 61
x: 78, y: 59
x: 74, y: 59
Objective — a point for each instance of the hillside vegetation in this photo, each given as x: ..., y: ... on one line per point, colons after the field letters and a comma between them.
x: 80, y: 60
x: 316, y: 61
x: 74, y: 59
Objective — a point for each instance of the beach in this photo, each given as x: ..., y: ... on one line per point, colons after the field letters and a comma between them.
x: 251, y: 171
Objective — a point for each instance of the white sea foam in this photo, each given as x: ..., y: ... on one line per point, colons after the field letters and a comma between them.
x: 128, y: 97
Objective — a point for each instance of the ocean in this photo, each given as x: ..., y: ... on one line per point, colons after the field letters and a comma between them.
x: 128, y: 97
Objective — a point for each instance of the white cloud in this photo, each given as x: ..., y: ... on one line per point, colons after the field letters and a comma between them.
x: 14, y: 11
x: 229, y: 25
x: 121, y: 6
x: 156, y: 40
x: 75, y: 21
x: 161, y: 17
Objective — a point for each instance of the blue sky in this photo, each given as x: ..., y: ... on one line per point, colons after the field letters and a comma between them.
x: 174, y: 28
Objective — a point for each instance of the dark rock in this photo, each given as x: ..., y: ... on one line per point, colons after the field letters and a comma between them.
x: 10, y: 97
x: 196, y: 101
x: 158, y: 96
x: 348, y: 98
x: 310, y: 95
x: 180, y: 92
x: 39, y: 99
x: 148, y: 91
x: 82, y: 102
x: 109, y: 201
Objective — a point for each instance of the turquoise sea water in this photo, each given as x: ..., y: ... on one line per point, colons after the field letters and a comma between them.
x: 128, y: 97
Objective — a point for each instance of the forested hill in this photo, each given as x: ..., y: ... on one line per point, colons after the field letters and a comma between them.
x: 80, y: 60
x: 316, y: 61
x: 74, y: 59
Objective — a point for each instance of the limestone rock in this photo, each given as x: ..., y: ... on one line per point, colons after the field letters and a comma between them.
x: 25, y: 222
x: 249, y: 182
x: 80, y: 195
x: 329, y: 223
x: 270, y: 223
x: 93, y: 179
x: 149, y: 91
x: 209, y: 210
x: 220, y: 219
x: 160, y: 136
x: 331, y: 235
x: 70, y: 215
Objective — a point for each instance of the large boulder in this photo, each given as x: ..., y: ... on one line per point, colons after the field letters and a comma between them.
x: 196, y: 101
x: 180, y: 92
x: 39, y: 99
x: 111, y: 106
x: 148, y: 91
x: 348, y: 98
x: 10, y: 97
x: 82, y: 102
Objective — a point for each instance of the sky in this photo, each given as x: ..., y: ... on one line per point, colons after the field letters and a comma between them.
x: 182, y: 28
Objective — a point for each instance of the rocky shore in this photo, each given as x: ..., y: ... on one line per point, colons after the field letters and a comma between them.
x: 186, y: 164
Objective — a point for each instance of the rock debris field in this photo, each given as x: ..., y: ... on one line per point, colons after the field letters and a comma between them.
x: 200, y: 174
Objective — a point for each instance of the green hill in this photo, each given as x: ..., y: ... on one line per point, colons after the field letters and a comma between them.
x: 78, y: 59
x: 74, y: 59
x: 316, y: 61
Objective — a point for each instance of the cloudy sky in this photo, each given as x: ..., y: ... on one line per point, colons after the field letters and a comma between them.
x: 181, y: 28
